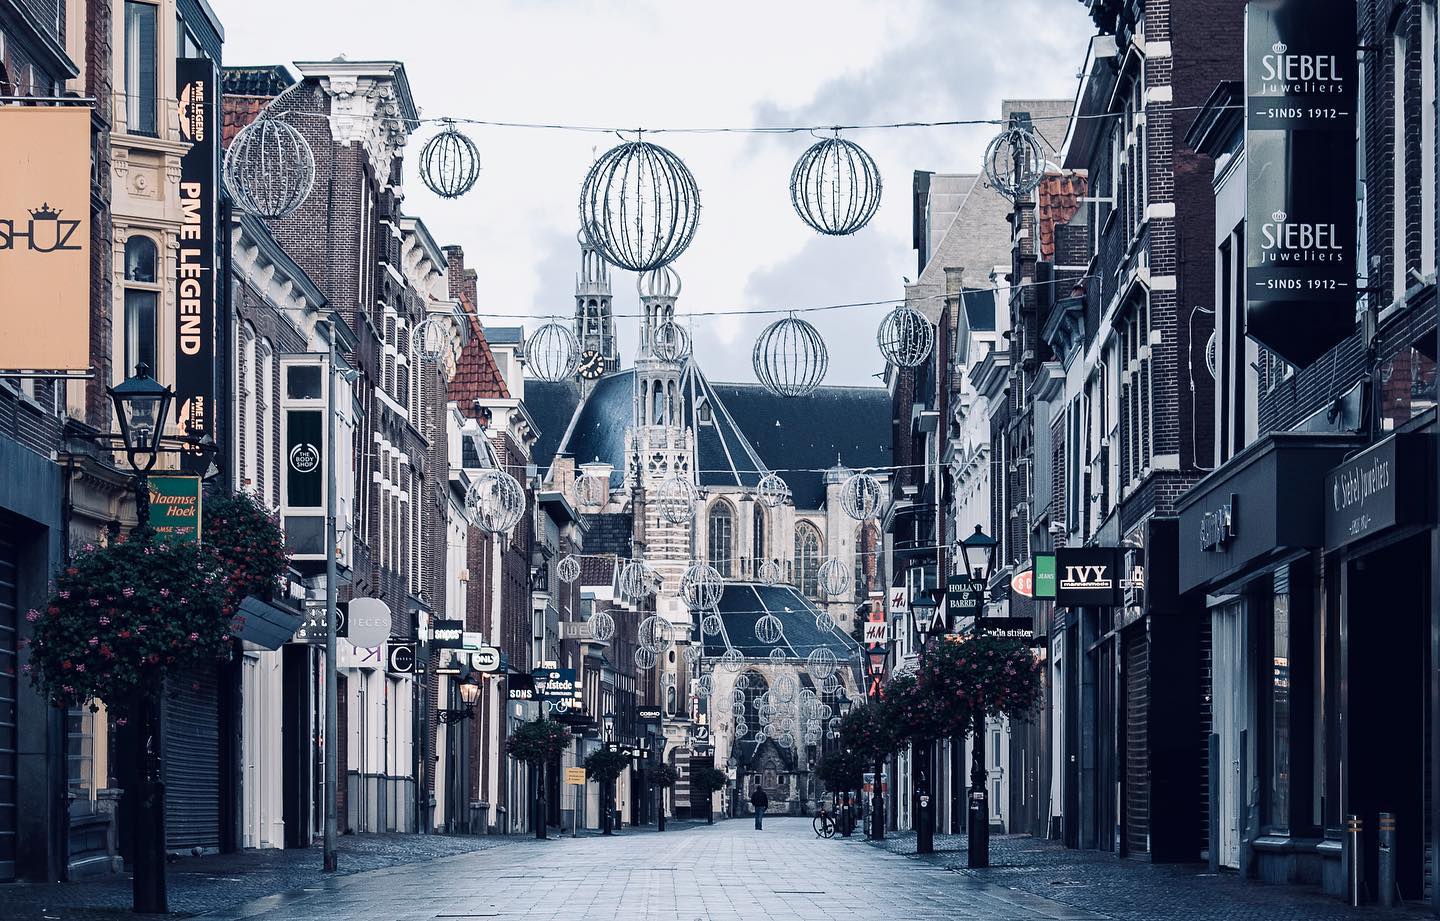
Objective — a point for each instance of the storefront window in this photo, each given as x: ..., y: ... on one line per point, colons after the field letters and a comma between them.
x: 1407, y: 387
x: 1280, y: 717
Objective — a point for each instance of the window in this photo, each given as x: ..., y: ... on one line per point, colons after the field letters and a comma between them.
x: 807, y: 559
x: 140, y: 75
x: 722, y: 537
x: 1408, y: 155
x: 142, y: 295
x: 265, y: 421
x: 248, y: 455
x: 757, y: 537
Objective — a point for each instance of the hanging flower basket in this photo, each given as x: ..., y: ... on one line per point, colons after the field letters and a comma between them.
x: 604, y: 766
x: 538, y: 742
x: 996, y: 676
x: 248, y: 543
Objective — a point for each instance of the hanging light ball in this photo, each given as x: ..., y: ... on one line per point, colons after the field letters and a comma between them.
x: 269, y: 168
x: 835, y: 186
x: 495, y: 501
x: 602, y: 626
x: 675, y: 498
x: 832, y: 685
x: 591, y: 491
x: 701, y: 586
x: 742, y: 682
x: 711, y: 625
x: 905, y: 337
x: 860, y: 496
x: 449, y: 162
x: 1014, y: 162
x: 821, y: 663
x: 670, y: 342
x: 552, y: 353
x: 704, y: 685
x: 568, y: 569
x: 769, y: 630
x: 730, y: 661
x: 771, y: 572
x: 639, y: 205
x: 645, y: 659
x: 772, y: 491
x: 653, y: 633
x: 777, y: 656
x: 741, y: 729
x: 825, y: 623
x: 834, y: 577
x: 637, y: 579
x: 790, y: 357
x: 785, y: 688
x: 431, y: 337
x: 692, y: 655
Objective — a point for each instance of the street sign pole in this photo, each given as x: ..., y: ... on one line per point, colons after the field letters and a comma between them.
x: 332, y: 728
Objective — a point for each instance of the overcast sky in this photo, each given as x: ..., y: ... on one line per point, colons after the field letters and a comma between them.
x: 653, y: 64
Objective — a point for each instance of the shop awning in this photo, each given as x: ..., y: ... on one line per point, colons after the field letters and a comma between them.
x: 267, y: 626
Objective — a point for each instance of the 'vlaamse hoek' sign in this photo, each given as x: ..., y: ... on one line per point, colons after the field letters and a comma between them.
x: 1379, y: 488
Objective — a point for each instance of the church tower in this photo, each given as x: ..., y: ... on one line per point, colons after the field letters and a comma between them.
x: 594, y: 316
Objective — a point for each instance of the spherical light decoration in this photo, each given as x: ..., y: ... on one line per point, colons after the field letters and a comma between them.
x: 778, y: 656
x: 675, y: 498
x: 790, y: 357
x: 645, y: 659
x: 769, y: 630
x: 653, y: 633
x: 860, y: 496
x: 741, y: 729
x: 730, y: 661
x: 552, y: 352
x: 701, y: 587
x: 495, y: 501
x: 704, y: 686
x: 832, y: 685
x: 1014, y: 162
x: 602, y: 626
x: 639, y: 206
x: 269, y: 168
x: 711, y: 625
x: 637, y: 579
x: 742, y: 682
x: 568, y: 569
x: 785, y: 688
x: 771, y: 572
x: 670, y: 342
x: 821, y: 663
x: 449, y: 163
x: 772, y: 491
x: 835, y: 186
x: 825, y: 623
x: 692, y: 655
x: 591, y: 491
x: 432, y: 337
x: 905, y: 337
x: 834, y: 577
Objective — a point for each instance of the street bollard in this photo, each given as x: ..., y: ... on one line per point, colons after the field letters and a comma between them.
x: 1387, y: 859
x: 1353, y: 856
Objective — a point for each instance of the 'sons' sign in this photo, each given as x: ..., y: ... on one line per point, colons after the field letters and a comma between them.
x: 44, y: 238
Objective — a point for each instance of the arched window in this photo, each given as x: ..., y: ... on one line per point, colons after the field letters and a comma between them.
x: 757, y: 538
x: 807, y: 559
x: 142, y: 295
x: 722, y: 537
x: 755, y: 688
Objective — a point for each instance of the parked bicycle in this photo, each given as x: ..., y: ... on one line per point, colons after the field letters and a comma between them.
x: 824, y: 824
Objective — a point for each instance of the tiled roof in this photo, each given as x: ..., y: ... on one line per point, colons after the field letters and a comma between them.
x: 1058, y: 197
x: 477, y: 377
x: 269, y: 80
x: 236, y: 112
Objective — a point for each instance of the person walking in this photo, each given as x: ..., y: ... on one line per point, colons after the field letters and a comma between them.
x: 761, y: 802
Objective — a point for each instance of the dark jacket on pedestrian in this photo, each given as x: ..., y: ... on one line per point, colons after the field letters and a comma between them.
x: 759, y: 799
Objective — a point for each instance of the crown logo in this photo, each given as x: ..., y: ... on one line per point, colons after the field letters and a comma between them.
x: 45, y: 213
x: 1279, y: 217
x: 1279, y: 47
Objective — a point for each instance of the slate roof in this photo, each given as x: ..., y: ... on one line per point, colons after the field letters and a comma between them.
x: 851, y: 423
x: 725, y: 457
x: 264, y: 80
x: 743, y: 603
x: 608, y: 533
x: 552, y: 406
x: 598, y: 431
x: 507, y: 335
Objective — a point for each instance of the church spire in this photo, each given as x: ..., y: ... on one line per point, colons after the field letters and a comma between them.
x: 594, y: 317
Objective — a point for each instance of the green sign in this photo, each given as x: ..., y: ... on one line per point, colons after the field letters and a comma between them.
x: 175, y: 505
x: 1044, y: 585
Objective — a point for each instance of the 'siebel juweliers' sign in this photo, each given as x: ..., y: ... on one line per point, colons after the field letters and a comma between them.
x: 1300, y: 88
x: 1385, y: 486
x: 195, y: 261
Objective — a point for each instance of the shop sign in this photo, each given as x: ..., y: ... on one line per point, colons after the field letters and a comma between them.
x: 519, y: 687
x: 196, y: 95
x: 1363, y: 495
x: 876, y: 632
x: 1044, y: 578
x: 312, y: 629
x: 648, y: 714
x: 1217, y: 526
x: 1300, y: 240
x: 1023, y: 583
x: 45, y: 238
x: 368, y: 622
x: 402, y: 659
x: 577, y: 630
x: 556, y: 683
x: 448, y: 634
x: 963, y: 597
x: 899, y: 599
x: 485, y: 659
x: 175, y: 505
x: 1006, y: 627
x: 1088, y: 576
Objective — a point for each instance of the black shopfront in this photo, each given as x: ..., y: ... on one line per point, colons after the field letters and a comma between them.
x: 1311, y: 560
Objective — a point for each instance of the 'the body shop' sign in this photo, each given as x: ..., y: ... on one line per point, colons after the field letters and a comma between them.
x: 1300, y: 87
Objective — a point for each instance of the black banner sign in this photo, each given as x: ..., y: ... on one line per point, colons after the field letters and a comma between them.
x: 1300, y: 214
x: 1006, y: 627
x: 519, y: 687
x: 195, y: 93
x: 1088, y: 576
x: 648, y: 714
x: 1380, y: 488
x: 963, y: 597
x: 304, y: 458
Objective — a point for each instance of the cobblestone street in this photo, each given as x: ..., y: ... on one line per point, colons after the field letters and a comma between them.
x: 726, y: 871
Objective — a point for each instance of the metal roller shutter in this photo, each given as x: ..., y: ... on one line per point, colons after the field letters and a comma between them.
x: 1137, y: 741
x: 9, y: 623
x: 191, y: 745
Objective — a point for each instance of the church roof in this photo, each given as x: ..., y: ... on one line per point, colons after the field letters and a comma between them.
x: 723, y: 455
x: 552, y: 406
x: 743, y: 603
x: 851, y: 423
x: 598, y: 429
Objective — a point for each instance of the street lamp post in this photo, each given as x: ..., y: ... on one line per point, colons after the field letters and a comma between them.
x: 979, y: 554
x: 877, y: 656
x: 467, y: 688
x: 923, y: 609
